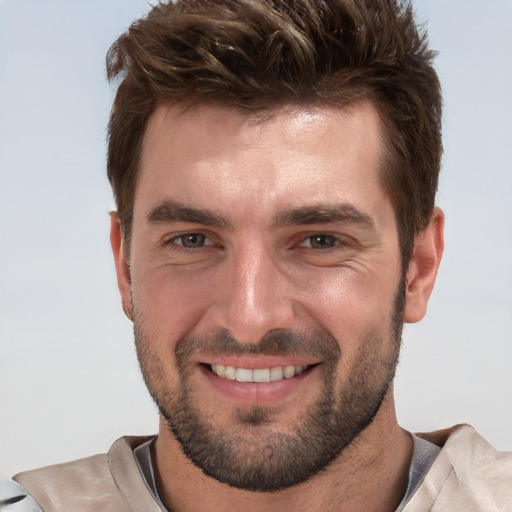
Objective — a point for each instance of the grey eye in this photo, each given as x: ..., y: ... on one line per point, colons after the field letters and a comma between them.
x: 191, y: 240
x: 321, y: 241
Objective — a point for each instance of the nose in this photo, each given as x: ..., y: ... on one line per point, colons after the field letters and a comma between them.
x: 255, y: 297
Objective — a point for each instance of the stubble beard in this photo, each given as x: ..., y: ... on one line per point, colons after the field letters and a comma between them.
x: 250, y: 453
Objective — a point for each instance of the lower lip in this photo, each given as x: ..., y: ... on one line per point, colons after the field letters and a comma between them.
x: 255, y: 393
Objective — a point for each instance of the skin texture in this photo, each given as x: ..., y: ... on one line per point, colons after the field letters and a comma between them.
x: 264, y: 265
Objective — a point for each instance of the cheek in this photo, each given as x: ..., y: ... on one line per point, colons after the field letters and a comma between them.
x: 172, y: 299
x: 357, y: 312
x: 348, y: 302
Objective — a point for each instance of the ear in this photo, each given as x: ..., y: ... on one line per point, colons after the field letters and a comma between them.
x: 422, y: 271
x: 122, y: 266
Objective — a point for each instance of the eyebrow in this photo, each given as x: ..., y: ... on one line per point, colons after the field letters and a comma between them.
x: 174, y: 211
x: 325, y: 214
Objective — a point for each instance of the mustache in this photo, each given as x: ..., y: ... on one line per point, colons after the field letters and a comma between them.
x: 278, y: 342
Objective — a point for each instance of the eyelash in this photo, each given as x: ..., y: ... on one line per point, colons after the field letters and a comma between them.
x: 303, y: 242
x: 331, y: 240
x: 204, y: 238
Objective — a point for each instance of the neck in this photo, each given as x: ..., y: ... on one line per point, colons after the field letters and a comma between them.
x: 370, y: 475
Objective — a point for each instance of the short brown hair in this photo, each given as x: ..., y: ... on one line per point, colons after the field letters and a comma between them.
x: 260, y: 54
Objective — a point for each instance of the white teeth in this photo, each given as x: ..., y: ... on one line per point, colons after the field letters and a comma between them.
x: 276, y: 374
x: 260, y: 375
x: 289, y: 372
x: 230, y: 372
x: 243, y: 375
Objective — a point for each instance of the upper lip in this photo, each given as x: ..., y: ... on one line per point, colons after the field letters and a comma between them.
x: 258, y: 362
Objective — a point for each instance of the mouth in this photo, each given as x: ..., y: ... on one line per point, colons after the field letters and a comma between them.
x: 263, y: 383
x: 259, y: 375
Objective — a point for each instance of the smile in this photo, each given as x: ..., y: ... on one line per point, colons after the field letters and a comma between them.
x: 259, y: 375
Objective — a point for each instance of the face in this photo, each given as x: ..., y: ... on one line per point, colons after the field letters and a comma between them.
x: 265, y: 286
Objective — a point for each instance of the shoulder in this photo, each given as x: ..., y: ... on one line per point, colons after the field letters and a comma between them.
x: 468, y: 474
x: 100, y: 482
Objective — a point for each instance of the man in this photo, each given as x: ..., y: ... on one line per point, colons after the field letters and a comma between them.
x: 275, y: 167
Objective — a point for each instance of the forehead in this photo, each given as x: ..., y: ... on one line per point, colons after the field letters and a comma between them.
x: 214, y: 154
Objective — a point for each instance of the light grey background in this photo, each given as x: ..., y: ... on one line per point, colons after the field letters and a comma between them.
x: 69, y: 381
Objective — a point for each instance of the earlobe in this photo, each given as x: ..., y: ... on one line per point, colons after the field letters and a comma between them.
x: 422, y: 271
x: 121, y: 263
